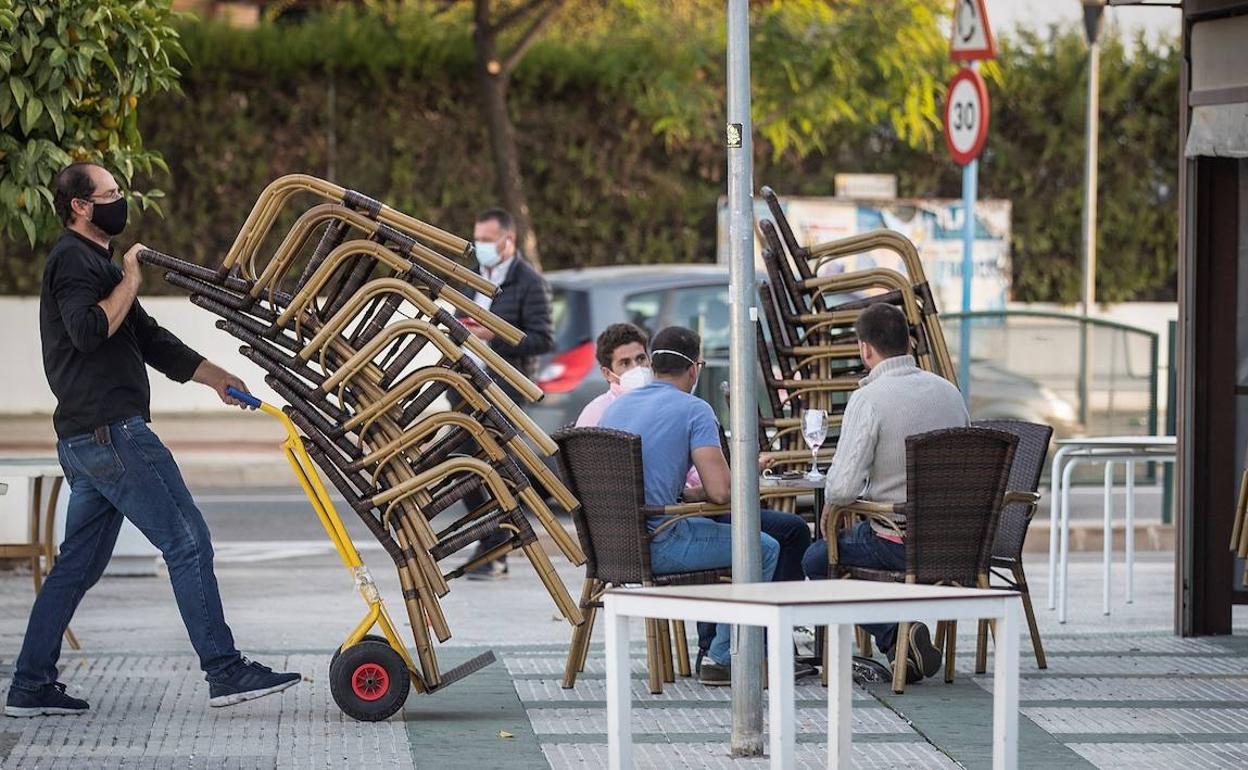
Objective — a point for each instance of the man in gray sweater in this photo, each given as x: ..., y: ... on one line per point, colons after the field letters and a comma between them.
x: 895, y: 400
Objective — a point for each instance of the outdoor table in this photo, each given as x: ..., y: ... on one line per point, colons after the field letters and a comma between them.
x: 41, y: 546
x: 1108, y: 450
x: 838, y: 604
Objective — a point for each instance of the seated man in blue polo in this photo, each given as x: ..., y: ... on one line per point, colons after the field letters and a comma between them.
x: 677, y: 430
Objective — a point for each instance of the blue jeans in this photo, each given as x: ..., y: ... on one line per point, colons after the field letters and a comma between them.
x: 859, y: 546
x: 792, y: 533
x: 697, y: 544
x: 135, y: 476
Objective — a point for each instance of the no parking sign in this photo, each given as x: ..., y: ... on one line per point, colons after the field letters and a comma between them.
x: 966, y: 116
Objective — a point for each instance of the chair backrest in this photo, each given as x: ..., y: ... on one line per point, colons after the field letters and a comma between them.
x: 1029, y: 457
x: 955, y: 479
x: 602, y: 468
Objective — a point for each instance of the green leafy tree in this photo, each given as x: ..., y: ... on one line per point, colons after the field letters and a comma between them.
x: 72, y: 75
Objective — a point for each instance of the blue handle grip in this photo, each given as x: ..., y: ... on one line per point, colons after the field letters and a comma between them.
x: 246, y: 398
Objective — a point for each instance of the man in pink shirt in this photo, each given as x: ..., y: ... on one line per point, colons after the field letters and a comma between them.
x: 620, y: 348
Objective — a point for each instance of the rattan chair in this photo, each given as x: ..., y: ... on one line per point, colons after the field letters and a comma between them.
x: 956, y: 480
x: 1016, y: 515
x: 603, y: 468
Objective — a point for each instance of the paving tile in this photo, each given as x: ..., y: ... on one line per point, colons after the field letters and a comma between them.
x: 1154, y: 688
x: 572, y: 721
x: 681, y: 690
x: 1136, y: 665
x: 1164, y: 756
x: 1111, y: 721
x: 711, y: 756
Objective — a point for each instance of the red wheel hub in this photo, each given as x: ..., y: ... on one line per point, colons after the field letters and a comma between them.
x: 370, y: 681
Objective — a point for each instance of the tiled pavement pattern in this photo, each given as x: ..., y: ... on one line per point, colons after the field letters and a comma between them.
x: 1164, y: 703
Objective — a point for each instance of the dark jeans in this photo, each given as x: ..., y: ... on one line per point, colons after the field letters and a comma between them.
x: 135, y: 476
x: 859, y: 546
x: 792, y: 533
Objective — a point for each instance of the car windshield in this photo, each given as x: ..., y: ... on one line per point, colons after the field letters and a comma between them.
x: 569, y: 315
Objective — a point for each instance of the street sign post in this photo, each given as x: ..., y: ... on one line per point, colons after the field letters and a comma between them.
x: 966, y: 128
x: 972, y: 38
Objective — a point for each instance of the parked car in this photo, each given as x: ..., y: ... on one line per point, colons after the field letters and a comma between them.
x: 584, y: 302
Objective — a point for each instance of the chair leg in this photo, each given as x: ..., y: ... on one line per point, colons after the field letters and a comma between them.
x: 981, y: 647
x: 823, y: 670
x: 940, y: 635
x: 1021, y: 579
x: 865, y: 648
x: 682, y: 647
x: 951, y: 643
x: 901, y: 651
x: 654, y: 662
x: 580, y: 637
x: 665, y: 649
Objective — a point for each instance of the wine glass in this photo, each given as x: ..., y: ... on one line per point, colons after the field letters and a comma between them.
x: 814, y: 430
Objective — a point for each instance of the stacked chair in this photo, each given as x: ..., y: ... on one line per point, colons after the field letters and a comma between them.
x: 809, y: 353
x: 361, y: 342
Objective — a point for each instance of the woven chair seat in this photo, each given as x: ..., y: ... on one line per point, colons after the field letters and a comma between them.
x: 701, y: 577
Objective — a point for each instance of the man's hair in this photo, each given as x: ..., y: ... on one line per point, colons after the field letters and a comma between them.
x: 73, y: 181
x: 684, y: 341
x: 501, y: 216
x: 614, y: 337
x: 884, y: 327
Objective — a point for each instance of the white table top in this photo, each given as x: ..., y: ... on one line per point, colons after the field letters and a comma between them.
x: 30, y: 467
x: 1121, y: 442
x: 805, y: 592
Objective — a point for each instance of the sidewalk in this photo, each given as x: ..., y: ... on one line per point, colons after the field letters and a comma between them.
x: 1120, y: 692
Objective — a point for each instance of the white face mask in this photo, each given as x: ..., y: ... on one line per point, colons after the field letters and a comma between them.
x: 637, y: 377
x: 487, y: 254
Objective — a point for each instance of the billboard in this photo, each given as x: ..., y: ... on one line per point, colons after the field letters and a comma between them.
x: 933, y: 225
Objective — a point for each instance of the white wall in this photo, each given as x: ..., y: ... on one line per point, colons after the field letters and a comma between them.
x: 26, y: 389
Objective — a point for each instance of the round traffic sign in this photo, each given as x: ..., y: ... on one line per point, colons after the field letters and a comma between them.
x: 966, y: 115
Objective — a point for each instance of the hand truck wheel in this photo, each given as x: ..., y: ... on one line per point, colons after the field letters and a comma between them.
x: 364, y: 638
x: 369, y: 681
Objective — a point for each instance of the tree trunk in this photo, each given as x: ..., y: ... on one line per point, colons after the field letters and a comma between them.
x: 508, y: 183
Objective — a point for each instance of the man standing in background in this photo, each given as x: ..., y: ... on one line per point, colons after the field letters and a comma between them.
x: 523, y: 300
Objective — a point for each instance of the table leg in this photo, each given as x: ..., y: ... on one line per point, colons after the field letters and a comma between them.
x: 1129, y: 543
x: 1064, y: 549
x: 36, y: 536
x: 782, y: 711
x: 619, y: 693
x: 1107, y: 536
x: 1055, y: 496
x: 840, y: 697
x: 1005, y: 689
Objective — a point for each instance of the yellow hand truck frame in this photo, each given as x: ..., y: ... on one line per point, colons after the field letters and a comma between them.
x: 370, y: 675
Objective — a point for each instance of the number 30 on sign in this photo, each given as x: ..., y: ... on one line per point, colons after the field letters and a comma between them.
x: 966, y: 116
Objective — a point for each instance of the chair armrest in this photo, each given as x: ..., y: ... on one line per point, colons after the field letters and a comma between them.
x: 1030, y: 498
x: 878, y: 512
x: 682, y: 511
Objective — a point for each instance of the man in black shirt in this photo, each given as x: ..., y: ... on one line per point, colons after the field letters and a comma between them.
x: 97, y: 342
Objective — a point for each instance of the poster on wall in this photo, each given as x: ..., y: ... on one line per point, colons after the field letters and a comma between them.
x: 933, y: 225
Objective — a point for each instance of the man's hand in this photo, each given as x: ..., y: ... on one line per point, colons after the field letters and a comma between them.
x: 693, y: 494
x: 823, y: 518
x: 219, y: 379
x: 477, y: 330
x: 130, y: 269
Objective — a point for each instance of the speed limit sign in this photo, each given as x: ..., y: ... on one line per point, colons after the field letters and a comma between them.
x: 966, y: 115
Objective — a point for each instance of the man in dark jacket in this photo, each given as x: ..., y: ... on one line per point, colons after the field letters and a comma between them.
x: 97, y: 341
x: 523, y: 300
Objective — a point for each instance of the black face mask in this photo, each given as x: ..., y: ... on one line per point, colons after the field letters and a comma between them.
x: 110, y: 217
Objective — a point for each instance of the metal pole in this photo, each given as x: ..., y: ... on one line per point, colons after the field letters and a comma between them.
x: 970, y: 185
x: 747, y: 646
x: 1093, y: 14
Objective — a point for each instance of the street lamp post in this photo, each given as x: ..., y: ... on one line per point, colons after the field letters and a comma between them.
x: 1093, y: 18
x: 747, y: 646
